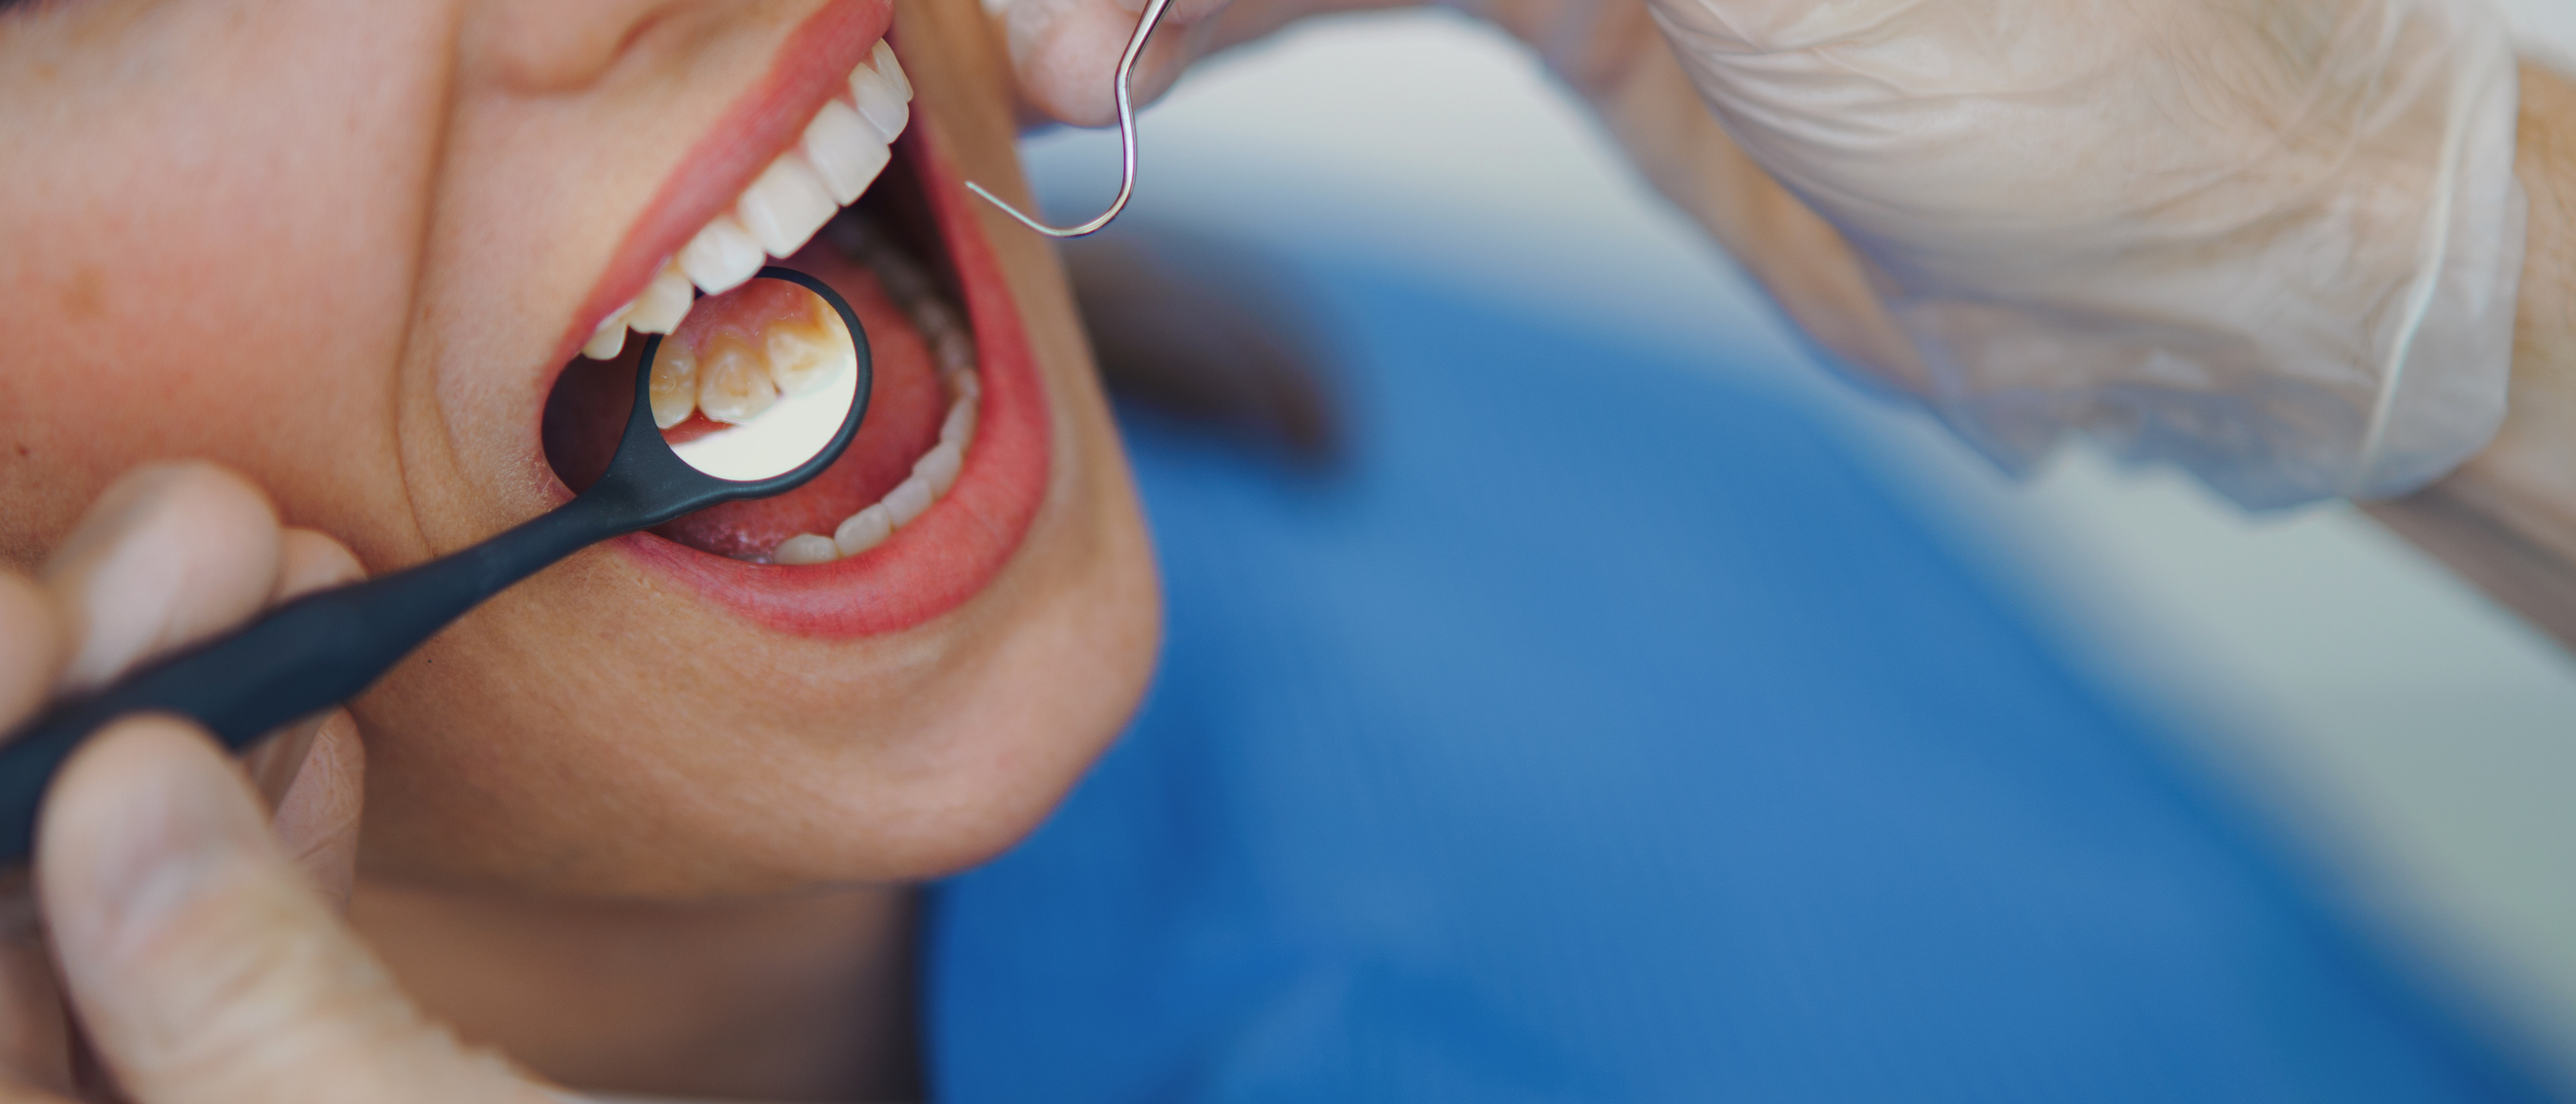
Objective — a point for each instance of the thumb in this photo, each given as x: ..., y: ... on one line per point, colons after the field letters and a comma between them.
x: 205, y: 968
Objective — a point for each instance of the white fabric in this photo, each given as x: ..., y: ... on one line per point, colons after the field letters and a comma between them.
x: 2275, y: 241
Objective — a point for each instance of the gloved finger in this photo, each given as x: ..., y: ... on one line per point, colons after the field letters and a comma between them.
x: 35, y: 1032
x: 307, y: 561
x: 1065, y: 52
x: 203, y: 966
x: 317, y: 819
x: 35, y: 1036
x: 31, y: 647
x: 171, y: 553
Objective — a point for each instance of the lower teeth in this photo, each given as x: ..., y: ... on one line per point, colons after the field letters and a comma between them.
x: 936, y: 470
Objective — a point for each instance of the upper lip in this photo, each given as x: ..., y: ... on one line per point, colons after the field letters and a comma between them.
x: 812, y: 65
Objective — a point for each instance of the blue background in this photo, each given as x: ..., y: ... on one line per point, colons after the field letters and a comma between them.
x: 1608, y: 730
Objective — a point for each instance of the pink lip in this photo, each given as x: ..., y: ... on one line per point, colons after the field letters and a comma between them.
x: 810, y: 69
x: 951, y: 552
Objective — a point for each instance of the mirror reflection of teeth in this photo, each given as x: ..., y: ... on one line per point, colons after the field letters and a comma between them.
x: 953, y: 346
x: 844, y: 148
x: 733, y: 376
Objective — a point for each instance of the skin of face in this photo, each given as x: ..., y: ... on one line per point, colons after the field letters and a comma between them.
x: 335, y: 246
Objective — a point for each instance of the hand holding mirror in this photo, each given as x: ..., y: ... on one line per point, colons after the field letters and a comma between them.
x: 317, y: 651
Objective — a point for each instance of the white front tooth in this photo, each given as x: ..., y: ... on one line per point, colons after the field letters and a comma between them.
x: 908, y: 500
x: 864, y: 530
x: 883, y: 58
x: 664, y: 303
x: 939, y: 466
x: 721, y: 257
x: 733, y: 384
x: 846, y: 151
x: 969, y: 387
x: 960, y: 424
x: 879, y: 101
x: 610, y: 338
x: 805, y: 548
x: 785, y: 206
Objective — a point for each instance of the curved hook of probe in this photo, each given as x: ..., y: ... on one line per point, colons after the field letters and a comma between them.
x: 1126, y: 138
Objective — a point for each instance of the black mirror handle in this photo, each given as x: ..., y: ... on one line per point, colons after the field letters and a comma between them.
x: 298, y: 659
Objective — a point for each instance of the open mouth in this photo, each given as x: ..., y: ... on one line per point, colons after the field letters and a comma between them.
x: 947, y: 471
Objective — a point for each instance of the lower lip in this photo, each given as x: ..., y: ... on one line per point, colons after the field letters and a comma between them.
x: 953, y: 550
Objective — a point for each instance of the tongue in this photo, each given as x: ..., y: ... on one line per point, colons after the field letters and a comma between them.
x: 589, y: 406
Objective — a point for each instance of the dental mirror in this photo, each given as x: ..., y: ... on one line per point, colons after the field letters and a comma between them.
x: 776, y: 374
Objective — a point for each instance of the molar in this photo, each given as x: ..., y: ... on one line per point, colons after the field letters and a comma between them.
x: 733, y: 383
x: 804, y: 353
x: 673, y: 389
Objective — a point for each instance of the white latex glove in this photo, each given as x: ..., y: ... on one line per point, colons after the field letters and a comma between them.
x: 177, y: 939
x: 2276, y: 241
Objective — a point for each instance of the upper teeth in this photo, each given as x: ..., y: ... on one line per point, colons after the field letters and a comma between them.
x: 844, y: 147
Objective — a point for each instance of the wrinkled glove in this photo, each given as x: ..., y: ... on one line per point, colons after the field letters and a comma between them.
x: 2275, y: 241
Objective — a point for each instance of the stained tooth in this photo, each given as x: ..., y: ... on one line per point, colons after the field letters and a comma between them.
x: 883, y: 58
x: 879, y: 101
x: 674, y: 387
x: 785, y: 206
x: 733, y: 385
x: 864, y: 530
x: 846, y: 151
x: 664, y: 303
x: 802, y: 356
x: 960, y: 424
x: 908, y: 500
x: 938, y: 467
x: 805, y: 548
x: 608, y: 339
x: 721, y: 257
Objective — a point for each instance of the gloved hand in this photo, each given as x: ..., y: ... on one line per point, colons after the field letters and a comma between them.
x: 194, y: 943
x: 2276, y: 241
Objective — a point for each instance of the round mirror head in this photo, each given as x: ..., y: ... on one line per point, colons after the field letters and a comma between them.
x: 760, y: 381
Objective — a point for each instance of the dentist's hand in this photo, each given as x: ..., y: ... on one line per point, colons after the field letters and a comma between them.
x: 2276, y: 241
x: 179, y: 944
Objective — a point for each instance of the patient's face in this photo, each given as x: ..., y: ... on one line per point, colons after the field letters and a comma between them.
x: 353, y: 250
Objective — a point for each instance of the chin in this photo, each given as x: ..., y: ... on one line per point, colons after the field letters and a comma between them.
x: 890, y: 673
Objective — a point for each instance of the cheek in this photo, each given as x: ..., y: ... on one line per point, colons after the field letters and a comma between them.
x: 209, y: 256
